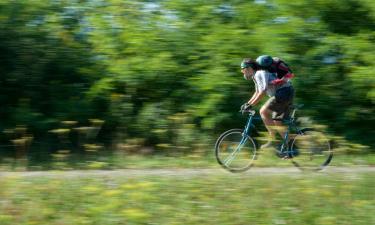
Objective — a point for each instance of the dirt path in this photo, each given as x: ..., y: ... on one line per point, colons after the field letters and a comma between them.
x: 179, y: 172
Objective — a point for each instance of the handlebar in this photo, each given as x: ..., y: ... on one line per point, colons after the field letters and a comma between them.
x: 251, y: 112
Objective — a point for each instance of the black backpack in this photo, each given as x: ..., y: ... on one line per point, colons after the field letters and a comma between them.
x: 279, y: 67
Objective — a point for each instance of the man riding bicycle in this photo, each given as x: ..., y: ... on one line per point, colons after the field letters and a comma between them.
x: 281, y: 95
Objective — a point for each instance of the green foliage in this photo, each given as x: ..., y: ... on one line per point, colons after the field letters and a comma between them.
x: 135, y: 64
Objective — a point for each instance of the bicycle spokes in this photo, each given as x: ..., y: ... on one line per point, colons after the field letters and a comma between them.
x: 313, y: 148
x: 234, y: 152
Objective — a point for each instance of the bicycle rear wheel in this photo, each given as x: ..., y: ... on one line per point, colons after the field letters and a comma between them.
x: 235, y: 152
x: 311, y: 150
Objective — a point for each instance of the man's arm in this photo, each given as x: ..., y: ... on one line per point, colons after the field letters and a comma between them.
x: 257, y: 98
x: 260, y: 79
x: 253, y: 97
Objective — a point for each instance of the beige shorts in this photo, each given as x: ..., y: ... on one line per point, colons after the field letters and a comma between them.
x: 281, y: 103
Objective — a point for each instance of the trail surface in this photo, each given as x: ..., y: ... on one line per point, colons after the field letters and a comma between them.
x: 182, y: 172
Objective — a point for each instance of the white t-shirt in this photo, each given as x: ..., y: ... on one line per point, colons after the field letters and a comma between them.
x: 262, y: 80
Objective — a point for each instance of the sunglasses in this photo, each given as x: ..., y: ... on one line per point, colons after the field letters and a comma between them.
x: 246, y: 65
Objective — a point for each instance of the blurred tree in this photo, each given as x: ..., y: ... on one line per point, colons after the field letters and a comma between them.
x: 43, y: 62
x: 135, y: 64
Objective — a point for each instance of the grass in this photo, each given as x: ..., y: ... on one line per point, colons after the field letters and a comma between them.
x: 321, y: 199
x: 122, y: 161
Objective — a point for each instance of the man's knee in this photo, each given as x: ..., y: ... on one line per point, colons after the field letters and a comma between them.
x: 265, y: 112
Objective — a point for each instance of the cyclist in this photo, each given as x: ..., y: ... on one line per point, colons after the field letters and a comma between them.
x: 277, y: 106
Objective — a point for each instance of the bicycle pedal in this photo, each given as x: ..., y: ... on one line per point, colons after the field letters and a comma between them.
x: 284, y: 155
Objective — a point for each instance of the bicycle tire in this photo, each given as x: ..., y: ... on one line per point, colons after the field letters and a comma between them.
x: 225, y: 147
x: 311, y: 150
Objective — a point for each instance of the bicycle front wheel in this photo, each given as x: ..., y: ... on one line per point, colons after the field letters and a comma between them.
x: 311, y: 150
x: 234, y: 151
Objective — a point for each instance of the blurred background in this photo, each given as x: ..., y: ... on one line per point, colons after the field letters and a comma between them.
x: 96, y: 78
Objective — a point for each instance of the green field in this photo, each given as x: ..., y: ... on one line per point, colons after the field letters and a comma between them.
x: 296, y: 198
x: 135, y: 161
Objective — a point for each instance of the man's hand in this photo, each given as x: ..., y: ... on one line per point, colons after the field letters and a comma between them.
x: 289, y: 75
x: 277, y: 81
x: 281, y: 81
x: 245, y: 106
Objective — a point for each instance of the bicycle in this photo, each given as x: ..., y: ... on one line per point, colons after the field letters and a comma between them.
x: 309, y: 149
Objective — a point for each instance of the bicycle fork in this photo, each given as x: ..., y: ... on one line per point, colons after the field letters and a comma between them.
x: 233, y: 154
x: 245, y: 133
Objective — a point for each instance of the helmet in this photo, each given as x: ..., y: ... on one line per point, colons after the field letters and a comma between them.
x: 264, y: 60
x: 248, y: 63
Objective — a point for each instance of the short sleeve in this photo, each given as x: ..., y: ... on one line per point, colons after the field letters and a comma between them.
x: 261, y: 78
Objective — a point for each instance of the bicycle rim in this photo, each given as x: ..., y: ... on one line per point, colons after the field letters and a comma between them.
x: 234, y: 155
x: 311, y: 150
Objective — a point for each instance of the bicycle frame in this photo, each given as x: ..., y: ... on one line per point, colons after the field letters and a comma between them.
x: 248, y: 125
x: 291, y: 125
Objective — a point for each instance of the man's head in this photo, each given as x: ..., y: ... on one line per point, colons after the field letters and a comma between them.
x: 248, y: 68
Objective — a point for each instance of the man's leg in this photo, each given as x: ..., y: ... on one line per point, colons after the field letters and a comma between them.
x: 280, y: 127
x: 282, y: 106
x: 266, y: 115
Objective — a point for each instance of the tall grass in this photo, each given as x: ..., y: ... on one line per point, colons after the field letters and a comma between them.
x: 323, y: 199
